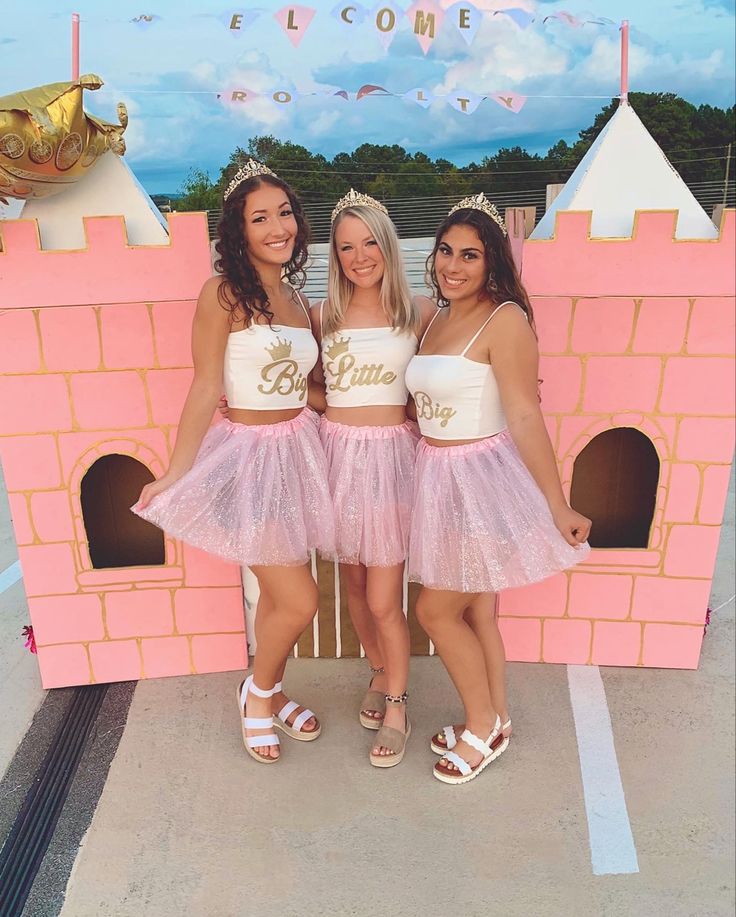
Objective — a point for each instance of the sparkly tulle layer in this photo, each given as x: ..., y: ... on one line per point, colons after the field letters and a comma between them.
x: 371, y: 475
x: 480, y: 523
x: 255, y: 494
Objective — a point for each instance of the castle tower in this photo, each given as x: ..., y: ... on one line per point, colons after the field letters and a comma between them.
x: 94, y: 345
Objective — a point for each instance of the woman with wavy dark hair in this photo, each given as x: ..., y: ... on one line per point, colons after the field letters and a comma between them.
x: 489, y: 511
x: 253, y: 488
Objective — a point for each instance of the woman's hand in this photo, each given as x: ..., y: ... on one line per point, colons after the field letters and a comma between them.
x: 574, y: 527
x: 154, y: 489
x: 223, y: 407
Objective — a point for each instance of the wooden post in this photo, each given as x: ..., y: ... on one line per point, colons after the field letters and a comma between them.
x: 728, y: 169
x: 624, y: 96
x: 75, y: 46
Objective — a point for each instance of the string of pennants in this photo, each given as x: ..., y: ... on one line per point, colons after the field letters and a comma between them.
x: 461, y: 100
x: 426, y: 18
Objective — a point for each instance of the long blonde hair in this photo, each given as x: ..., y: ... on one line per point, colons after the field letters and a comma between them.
x: 396, y: 297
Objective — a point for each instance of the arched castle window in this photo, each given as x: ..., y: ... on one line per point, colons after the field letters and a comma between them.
x: 117, y: 537
x: 614, y: 483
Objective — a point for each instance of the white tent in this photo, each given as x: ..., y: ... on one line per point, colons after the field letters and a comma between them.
x: 624, y: 171
x: 109, y: 189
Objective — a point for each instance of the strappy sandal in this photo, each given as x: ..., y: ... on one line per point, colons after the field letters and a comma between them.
x: 373, y: 702
x: 295, y: 729
x: 255, y: 722
x: 446, y: 740
x: 466, y: 772
x: 391, y: 738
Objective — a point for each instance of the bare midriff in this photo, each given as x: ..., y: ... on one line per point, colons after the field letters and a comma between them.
x: 386, y: 415
x: 455, y: 442
x: 253, y: 418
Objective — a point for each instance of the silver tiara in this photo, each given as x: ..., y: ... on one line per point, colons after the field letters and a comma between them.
x: 249, y: 170
x: 480, y: 202
x: 355, y: 199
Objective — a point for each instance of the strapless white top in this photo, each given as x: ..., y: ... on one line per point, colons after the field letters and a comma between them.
x: 266, y: 369
x: 456, y: 398
x: 366, y: 366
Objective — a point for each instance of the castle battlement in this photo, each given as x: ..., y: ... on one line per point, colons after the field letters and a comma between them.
x: 651, y: 262
x: 108, y: 270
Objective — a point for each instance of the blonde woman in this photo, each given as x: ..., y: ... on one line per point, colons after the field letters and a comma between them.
x: 368, y: 329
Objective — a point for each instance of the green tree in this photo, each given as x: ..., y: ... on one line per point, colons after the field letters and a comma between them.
x: 198, y: 192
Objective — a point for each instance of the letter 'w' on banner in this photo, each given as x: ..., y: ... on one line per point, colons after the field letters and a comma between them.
x: 423, y: 97
x: 386, y: 17
x: 466, y: 18
x: 294, y: 20
x: 425, y: 17
x: 511, y: 101
x: 567, y: 18
x: 520, y: 17
x: 466, y: 102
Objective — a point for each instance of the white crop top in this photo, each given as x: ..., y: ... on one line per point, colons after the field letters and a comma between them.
x: 456, y: 398
x: 366, y: 366
x: 266, y: 369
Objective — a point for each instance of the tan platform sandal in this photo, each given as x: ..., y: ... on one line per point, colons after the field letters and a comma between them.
x: 255, y: 722
x: 373, y: 702
x: 294, y: 730
x: 446, y: 739
x: 391, y: 738
x: 466, y: 772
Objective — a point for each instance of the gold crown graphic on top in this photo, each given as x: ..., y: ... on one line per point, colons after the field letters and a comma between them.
x: 356, y: 199
x: 249, y: 170
x: 338, y: 346
x: 279, y: 350
x: 481, y: 202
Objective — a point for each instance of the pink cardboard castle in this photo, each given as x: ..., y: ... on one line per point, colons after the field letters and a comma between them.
x: 636, y: 333
x: 94, y: 346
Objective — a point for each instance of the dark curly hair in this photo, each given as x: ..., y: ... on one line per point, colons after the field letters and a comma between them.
x: 503, y: 281
x: 241, y: 287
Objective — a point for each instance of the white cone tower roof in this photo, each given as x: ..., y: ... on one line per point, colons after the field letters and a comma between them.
x: 110, y: 189
x: 622, y: 172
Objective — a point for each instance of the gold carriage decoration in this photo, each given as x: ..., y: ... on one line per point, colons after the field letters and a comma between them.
x: 48, y: 141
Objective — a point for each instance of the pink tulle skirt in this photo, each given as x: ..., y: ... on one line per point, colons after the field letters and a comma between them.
x: 371, y: 475
x: 255, y: 494
x: 479, y: 522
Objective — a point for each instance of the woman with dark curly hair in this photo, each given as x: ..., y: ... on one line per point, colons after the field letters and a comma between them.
x: 253, y: 488
x: 489, y: 511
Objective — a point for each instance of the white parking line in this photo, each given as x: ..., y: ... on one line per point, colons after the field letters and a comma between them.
x: 612, y: 849
x: 10, y: 576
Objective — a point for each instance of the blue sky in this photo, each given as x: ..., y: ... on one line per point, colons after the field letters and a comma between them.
x: 681, y: 46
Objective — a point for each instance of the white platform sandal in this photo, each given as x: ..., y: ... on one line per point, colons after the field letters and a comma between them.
x: 466, y: 772
x: 255, y: 722
x: 446, y: 740
x: 295, y: 729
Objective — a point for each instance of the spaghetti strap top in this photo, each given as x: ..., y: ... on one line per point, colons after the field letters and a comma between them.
x: 455, y: 397
x: 366, y: 366
x: 266, y: 368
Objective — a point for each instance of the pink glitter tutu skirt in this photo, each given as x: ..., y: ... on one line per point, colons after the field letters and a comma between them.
x: 371, y: 475
x: 479, y: 522
x: 255, y: 494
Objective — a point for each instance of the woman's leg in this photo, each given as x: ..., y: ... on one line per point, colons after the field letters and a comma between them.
x: 291, y: 605
x: 441, y: 615
x: 384, y: 594
x: 481, y: 616
x: 264, y: 608
x: 354, y: 576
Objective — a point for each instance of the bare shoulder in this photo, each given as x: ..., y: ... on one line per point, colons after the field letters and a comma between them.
x: 510, y: 330
x: 426, y: 308
x: 209, y: 307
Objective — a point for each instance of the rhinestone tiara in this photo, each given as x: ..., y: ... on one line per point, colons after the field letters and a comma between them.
x: 355, y: 199
x: 249, y: 170
x: 480, y: 202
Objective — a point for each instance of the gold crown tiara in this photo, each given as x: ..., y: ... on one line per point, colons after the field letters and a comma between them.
x: 249, y: 170
x: 480, y: 202
x: 355, y: 199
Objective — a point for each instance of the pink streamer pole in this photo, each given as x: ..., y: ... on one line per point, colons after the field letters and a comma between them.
x: 624, y: 97
x: 75, y: 46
